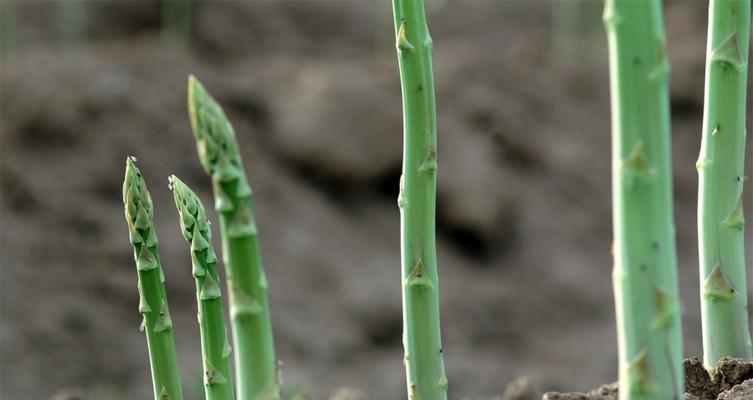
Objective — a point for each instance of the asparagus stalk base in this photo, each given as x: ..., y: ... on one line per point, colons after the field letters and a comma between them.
x: 645, y: 260
x: 721, y: 165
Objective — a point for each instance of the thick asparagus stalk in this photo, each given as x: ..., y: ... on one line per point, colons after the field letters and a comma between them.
x: 645, y: 259
x: 214, y: 345
x: 152, y: 298
x: 424, y: 365
x: 247, y: 285
x: 721, y: 168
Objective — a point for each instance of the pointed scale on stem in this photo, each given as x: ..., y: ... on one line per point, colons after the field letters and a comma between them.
x: 195, y: 228
x: 255, y: 363
x: 156, y: 323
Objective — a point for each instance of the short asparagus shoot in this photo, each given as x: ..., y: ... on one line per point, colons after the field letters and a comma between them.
x: 426, y: 379
x: 645, y: 259
x: 152, y: 297
x: 215, y: 348
x: 721, y: 165
x: 256, y: 370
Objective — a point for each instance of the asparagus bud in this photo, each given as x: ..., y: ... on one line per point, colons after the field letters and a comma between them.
x: 152, y: 297
x: 424, y: 364
x: 721, y: 165
x: 645, y: 259
x: 214, y: 345
x: 247, y: 285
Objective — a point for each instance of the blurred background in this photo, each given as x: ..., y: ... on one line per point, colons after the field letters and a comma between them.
x: 312, y: 87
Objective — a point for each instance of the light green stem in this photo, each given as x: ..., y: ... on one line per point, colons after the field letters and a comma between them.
x: 424, y: 365
x: 645, y: 259
x: 249, y: 307
x: 721, y: 168
x: 215, y: 348
x: 152, y: 298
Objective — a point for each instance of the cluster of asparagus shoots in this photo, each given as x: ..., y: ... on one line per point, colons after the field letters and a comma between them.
x: 645, y: 265
x: 645, y: 260
x: 256, y: 371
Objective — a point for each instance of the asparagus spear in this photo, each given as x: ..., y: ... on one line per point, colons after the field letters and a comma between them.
x: 645, y: 260
x: 152, y: 297
x: 424, y: 364
x: 214, y: 345
x: 721, y: 168
x: 247, y: 285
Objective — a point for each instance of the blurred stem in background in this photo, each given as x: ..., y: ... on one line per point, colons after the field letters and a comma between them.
x: 721, y: 171
x: 424, y: 363
x: 176, y: 22
x: 72, y: 21
x: 7, y: 27
x: 575, y: 26
x: 645, y: 259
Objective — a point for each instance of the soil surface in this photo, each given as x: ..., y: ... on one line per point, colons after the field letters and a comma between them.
x: 732, y: 379
x: 524, y: 219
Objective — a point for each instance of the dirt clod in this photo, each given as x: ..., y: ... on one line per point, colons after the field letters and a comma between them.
x: 730, y: 372
x: 739, y: 392
x: 521, y: 389
x: 732, y: 380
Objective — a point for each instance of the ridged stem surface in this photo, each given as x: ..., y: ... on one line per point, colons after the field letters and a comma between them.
x: 721, y: 165
x: 255, y: 365
x: 152, y: 297
x: 426, y: 379
x: 215, y: 348
x: 645, y: 260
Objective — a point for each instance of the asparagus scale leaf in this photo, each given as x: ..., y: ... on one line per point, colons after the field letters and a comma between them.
x: 426, y: 379
x: 721, y: 165
x: 256, y: 370
x: 645, y: 260
x: 152, y: 297
x: 214, y: 345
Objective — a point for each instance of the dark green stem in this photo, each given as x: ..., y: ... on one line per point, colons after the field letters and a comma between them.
x: 214, y: 345
x: 249, y: 305
x: 152, y: 298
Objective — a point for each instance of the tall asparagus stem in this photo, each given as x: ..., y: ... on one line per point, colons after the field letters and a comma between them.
x: 214, y: 345
x: 424, y: 364
x: 247, y: 285
x: 152, y: 298
x: 645, y: 260
x: 721, y: 168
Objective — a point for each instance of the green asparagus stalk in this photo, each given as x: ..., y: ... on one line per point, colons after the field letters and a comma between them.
x: 721, y: 168
x: 249, y: 307
x: 424, y: 364
x: 152, y: 297
x: 645, y: 259
x: 214, y: 345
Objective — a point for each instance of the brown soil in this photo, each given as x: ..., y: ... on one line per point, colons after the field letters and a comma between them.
x: 732, y: 379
